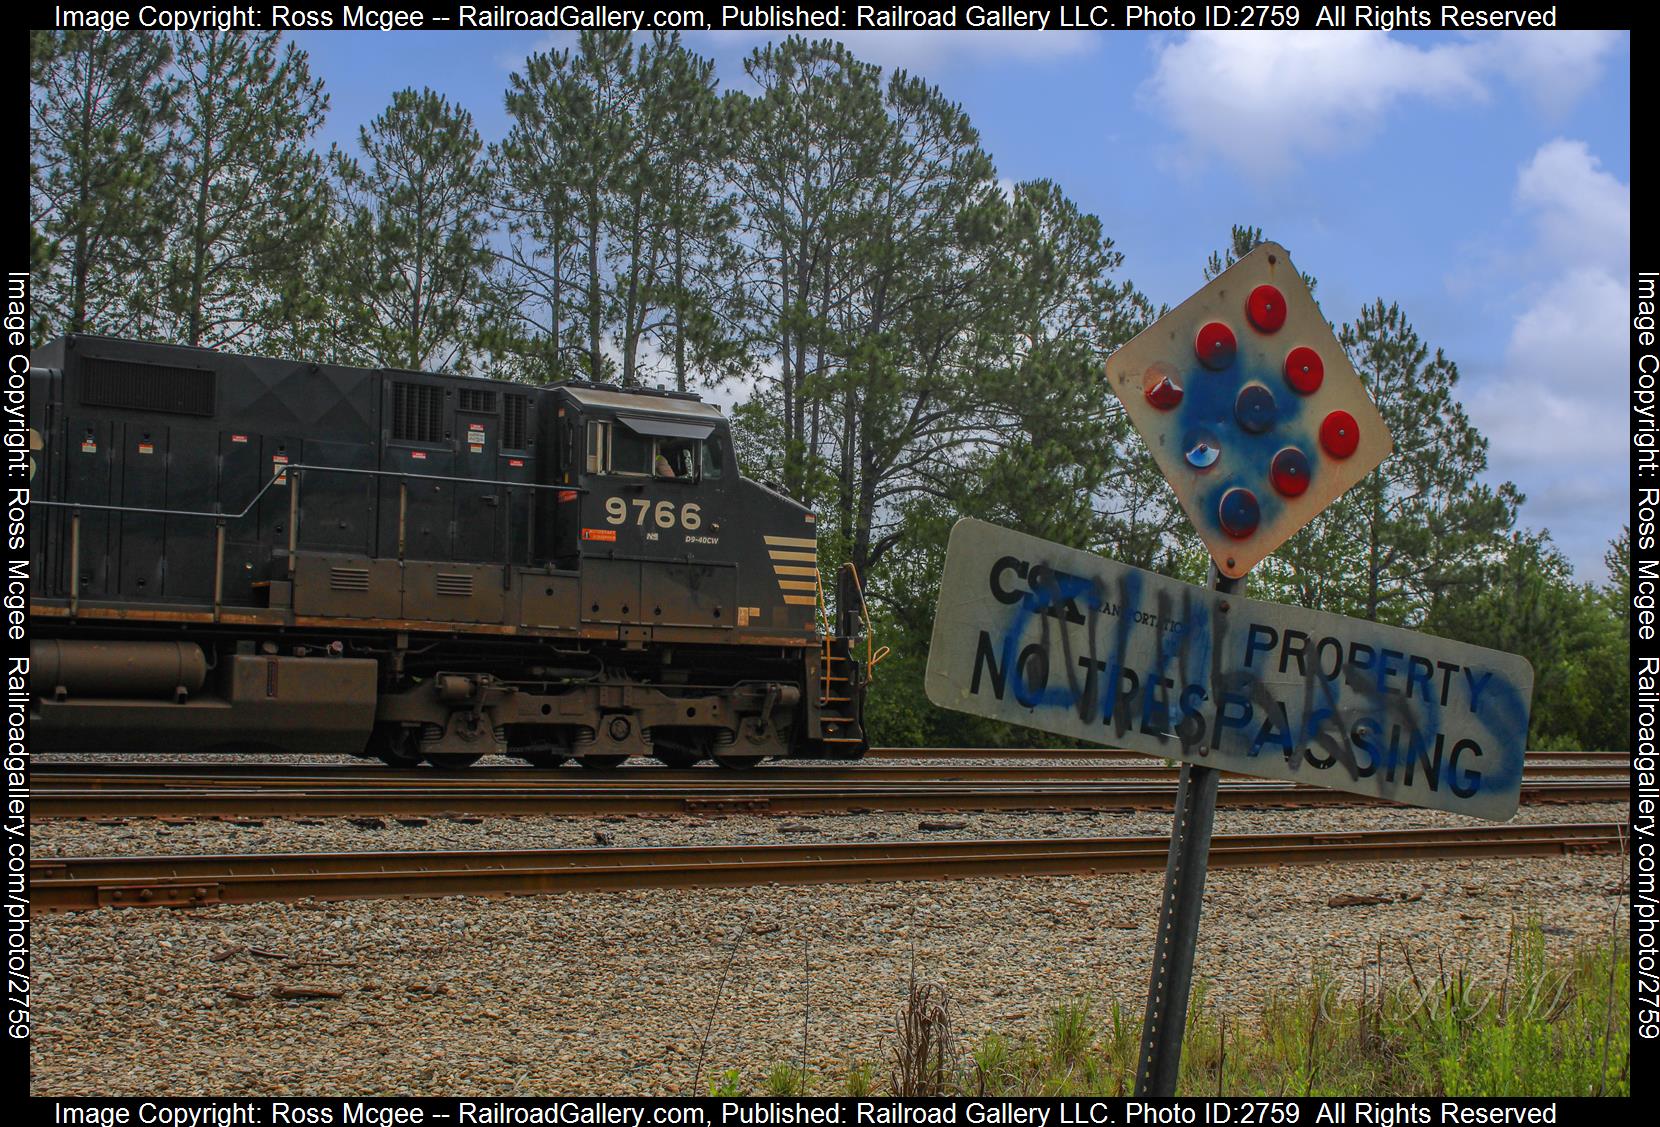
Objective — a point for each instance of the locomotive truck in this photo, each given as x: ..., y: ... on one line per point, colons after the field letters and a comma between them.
x: 239, y: 552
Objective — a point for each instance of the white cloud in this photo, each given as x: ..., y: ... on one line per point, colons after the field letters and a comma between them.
x: 1583, y: 212
x: 1555, y: 413
x: 1264, y: 101
x: 1552, y: 68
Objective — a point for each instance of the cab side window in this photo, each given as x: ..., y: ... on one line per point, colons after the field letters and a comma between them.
x: 616, y: 449
x: 598, y: 433
x: 713, y: 455
x: 676, y: 459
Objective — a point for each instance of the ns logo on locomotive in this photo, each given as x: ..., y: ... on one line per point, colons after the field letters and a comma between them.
x: 242, y: 552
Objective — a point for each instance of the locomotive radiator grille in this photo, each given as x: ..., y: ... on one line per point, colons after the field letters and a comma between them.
x: 451, y: 583
x: 348, y: 578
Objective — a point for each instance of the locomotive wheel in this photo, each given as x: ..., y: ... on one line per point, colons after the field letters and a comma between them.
x: 739, y: 762
x: 601, y: 762
x: 394, y: 746
x: 681, y: 749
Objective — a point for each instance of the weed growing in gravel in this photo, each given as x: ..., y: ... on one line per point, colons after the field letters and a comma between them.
x: 924, y: 1063
x: 1547, y: 1027
x: 786, y: 1080
x: 728, y: 1083
x: 861, y: 1079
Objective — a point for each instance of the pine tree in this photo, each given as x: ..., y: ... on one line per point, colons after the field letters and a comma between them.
x: 1421, y: 522
x: 411, y: 245
x: 535, y: 289
x: 696, y: 305
x: 99, y: 106
x: 620, y: 258
x: 808, y: 144
x: 250, y: 198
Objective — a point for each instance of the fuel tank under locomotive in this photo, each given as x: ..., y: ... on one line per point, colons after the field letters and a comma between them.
x: 181, y: 697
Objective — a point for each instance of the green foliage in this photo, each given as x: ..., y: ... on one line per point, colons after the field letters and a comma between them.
x: 246, y: 109
x: 1575, y: 635
x: 728, y: 1083
x: 1547, y: 1027
x: 620, y: 257
x: 100, y: 104
x: 861, y: 1079
x: 411, y: 245
x: 784, y: 1079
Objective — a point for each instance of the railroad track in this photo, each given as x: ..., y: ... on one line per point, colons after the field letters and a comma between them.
x: 186, y: 772
x: 1117, y: 754
x: 70, y: 884
x: 255, y: 791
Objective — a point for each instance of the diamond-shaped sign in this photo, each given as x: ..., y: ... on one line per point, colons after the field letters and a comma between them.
x: 1253, y: 412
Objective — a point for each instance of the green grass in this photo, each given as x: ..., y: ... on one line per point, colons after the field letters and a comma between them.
x: 1545, y: 1027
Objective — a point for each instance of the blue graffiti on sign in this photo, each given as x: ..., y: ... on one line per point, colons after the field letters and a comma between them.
x: 1209, y: 407
x: 1215, y: 684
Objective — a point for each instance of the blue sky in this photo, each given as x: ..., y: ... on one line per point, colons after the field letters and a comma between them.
x: 1482, y: 181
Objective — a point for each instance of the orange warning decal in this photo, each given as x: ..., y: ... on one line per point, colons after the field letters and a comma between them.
x: 609, y: 534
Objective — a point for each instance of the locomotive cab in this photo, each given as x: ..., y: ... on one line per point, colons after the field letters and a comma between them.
x: 654, y: 473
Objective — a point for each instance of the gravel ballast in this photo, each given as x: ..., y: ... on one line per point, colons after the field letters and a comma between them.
x: 611, y: 992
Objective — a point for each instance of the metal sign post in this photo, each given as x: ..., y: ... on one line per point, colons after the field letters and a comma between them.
x: 1184, y: 889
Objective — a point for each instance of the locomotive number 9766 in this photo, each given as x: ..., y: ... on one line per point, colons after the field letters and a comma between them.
x: 663, y: 513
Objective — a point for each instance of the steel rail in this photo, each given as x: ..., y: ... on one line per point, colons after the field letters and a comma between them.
x: 186, y: 773
x: 1108, y: 753
x: 79, y: 883
x: 715, y: 793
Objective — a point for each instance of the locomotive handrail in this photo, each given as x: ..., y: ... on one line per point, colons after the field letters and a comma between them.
x: 283, y: 473
x: 873, y: 656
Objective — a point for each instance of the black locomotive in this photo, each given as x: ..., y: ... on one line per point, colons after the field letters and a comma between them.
x: 238, y: 552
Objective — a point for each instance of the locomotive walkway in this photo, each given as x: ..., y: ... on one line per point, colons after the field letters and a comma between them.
x: 89, y: 790
x: 80, y: 883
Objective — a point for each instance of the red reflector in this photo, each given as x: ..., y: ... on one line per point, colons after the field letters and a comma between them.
x: 1289, y: 472
x: 1215, y: 346
x: 1339, y: 434
x: 1164, y: 394
x: 1266, y: 308
x: 1304, y: 370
